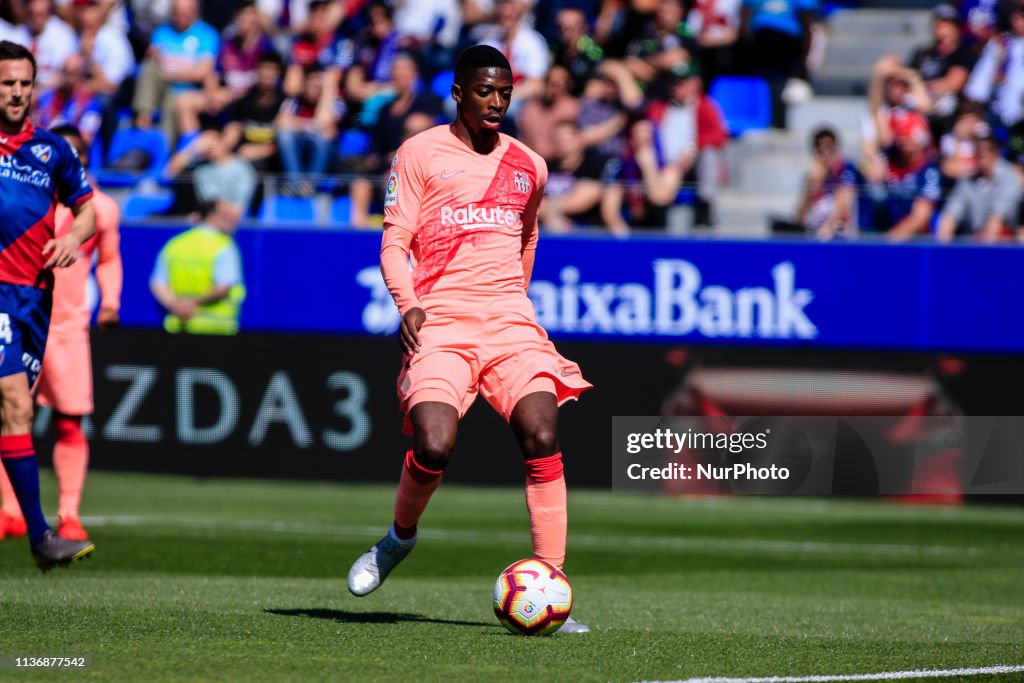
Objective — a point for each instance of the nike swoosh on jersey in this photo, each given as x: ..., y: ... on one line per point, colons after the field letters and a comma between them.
x: 445, y: 175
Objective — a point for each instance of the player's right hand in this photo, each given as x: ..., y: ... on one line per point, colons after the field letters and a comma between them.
x: 108, y: 319
x: 63, y: 251
x: 408, y: 331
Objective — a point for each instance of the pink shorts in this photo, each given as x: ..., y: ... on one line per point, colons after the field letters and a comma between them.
x: 503, y: 355
x: 66, y: 380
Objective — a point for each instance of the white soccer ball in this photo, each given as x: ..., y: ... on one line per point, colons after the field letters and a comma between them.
x: 532, y: 598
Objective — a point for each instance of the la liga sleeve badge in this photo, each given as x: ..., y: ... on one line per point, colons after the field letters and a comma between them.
x: 391, y: 195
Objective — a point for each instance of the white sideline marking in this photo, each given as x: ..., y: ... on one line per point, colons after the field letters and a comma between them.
x: 665, y: 542
x: 885, y: 676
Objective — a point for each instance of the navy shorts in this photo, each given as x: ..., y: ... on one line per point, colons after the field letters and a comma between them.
x: 24, y: 324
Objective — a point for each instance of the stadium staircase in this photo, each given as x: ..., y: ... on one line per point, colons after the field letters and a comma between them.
x: 766, y: 168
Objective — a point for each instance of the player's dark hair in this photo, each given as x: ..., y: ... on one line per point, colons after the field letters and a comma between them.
x: 67, y: 130
x: 77, y: 141
x: 478, y: 57
x: 12, y: 51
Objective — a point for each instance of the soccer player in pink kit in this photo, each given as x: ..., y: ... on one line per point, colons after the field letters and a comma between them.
x: 462, y: 200
x: 65, y: 384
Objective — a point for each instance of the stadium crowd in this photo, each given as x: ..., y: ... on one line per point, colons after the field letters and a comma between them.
x: 614, y: 94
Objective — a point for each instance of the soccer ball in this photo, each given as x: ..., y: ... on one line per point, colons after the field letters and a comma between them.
x: 532, y: 598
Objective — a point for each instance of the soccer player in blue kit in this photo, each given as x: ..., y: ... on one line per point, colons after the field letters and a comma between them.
x: 37, y: 168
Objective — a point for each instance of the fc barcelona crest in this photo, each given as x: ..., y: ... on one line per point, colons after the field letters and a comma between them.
x: 522, y: 182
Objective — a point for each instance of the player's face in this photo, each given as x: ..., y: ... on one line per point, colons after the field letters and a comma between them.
x: 484, y: 99
x: 15, y: 93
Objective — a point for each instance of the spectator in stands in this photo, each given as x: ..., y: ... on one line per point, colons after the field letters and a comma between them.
x: 904, y: 184
x: 478, y: 18
x: 526, y: 49
x: 147, y: 16
x: 431, y: 28
x: 316, y: 44
x: 609, y: 98
x: 367, y: 187
x: 109, y: 57
x: 944, y: 67
x: 998, y: 77
x: 575, y: 50
x: 716, y: 24
x: 980, y: 21
x: 220, y: 14
x: 894, y: 91
x: 390, y: 131
x: 306, y: 131
x: 612, y: 26
x: 538, y: 117
x: 250, y: 130
x: 958, y: 157
x: 545, y: 13
x: 198, y: 275
x: 181, y: 56
x: 301, y: 13
x: 271, y: 12
x: 49, y: 38
x: 206, y: 170
x: 371, y: 56
x: 242, y: 45
x: 665, y: 42
x: 684, y: 141
x: 777, y: 34
x: 244, y: 42
x: 827, y: 206
x: 584, y: 187
x: 71, y: 102
x: 985, y: 204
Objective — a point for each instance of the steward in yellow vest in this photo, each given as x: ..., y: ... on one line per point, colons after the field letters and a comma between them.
x: 198, y: 275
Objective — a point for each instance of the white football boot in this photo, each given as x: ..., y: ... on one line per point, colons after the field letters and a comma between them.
x: 373, y: 566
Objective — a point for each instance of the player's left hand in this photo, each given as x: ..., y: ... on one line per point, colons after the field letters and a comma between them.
x: 63, y: 251
x: 409, y: 330
x: 108, y: 319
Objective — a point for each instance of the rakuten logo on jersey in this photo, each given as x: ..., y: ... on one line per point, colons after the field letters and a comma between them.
x: 473, y: 216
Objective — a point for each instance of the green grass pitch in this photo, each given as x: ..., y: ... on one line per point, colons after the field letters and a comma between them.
x: 245, y: 580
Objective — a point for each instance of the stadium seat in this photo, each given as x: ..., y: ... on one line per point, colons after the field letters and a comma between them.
x: 686, y: 195
x: 745, y: 101
x: 354, y: 142
x: 144, y: 205
x: 96, y: 156
x: 149, y: 143
x: 341, y: 210
x: 441, y: 85
x: 287, y: 209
